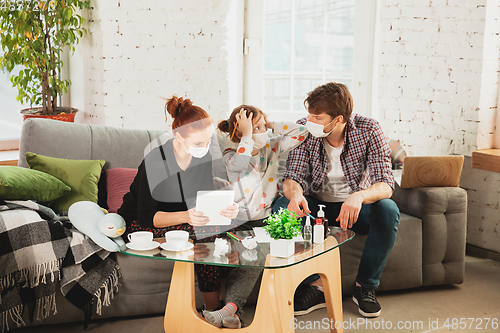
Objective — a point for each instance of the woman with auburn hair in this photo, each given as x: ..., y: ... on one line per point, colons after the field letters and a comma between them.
x: 164, y: 207
x: 162, y: 198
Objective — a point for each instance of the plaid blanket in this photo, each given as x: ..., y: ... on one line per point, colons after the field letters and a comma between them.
x: 39, y: 249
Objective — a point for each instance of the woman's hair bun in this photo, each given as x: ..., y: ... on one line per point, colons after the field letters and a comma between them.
x: 176, y: 105
x: 187, y: 118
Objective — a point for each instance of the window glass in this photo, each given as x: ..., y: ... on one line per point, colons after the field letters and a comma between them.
x: 10, y: 118
x: 278, y: 39
x: 321, y: 35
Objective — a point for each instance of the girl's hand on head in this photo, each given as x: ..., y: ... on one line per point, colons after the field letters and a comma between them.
x: 196, y: 219
x: 245, y: 125
x: 269, y: 124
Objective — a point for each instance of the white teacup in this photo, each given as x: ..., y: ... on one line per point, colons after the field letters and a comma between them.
x: 140, y: 238
x: 177, y: 239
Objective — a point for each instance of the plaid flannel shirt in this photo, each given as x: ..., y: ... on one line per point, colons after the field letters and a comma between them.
x: 365, y: 159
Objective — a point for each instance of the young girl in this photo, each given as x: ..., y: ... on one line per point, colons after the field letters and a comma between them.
x: 252, y: 159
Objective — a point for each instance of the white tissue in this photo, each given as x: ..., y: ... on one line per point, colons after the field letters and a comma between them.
x: 249, y: 255
x: 221, y: 247
x: 221, y: 260
x: 249, y: 242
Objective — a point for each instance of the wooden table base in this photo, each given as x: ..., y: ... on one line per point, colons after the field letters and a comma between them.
x: 274, y: 309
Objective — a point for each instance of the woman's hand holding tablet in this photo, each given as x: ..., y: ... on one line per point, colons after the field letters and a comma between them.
x: 218, y: 206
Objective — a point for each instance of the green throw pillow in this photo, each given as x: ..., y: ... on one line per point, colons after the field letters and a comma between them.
x: 18, y: 183
x: 81, y: 175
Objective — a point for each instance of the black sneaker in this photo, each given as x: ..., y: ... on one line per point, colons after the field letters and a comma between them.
x: 366, y: 301
x: 307, y: 299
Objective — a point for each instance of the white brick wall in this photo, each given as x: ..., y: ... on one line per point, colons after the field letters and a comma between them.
x: 425, y: 51
x: 483, y: 216
x: 141, y: 50
x: 438, y: 91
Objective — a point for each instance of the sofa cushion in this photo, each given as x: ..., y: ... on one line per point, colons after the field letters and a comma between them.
x: 398, y: 154
x: 118, y: 181
x: 80, y: 175
x: 25, y: 184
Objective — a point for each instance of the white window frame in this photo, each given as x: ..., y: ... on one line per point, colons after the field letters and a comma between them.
x: 496, y: 135
x: 364, y: 72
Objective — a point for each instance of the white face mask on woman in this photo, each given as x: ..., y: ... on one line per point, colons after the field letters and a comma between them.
x: 260, y: 140
x: 197, y: 152
x: 316, y: 130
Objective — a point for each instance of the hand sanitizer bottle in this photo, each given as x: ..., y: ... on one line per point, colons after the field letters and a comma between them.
x: 319, y: 234
x: 308, y: 230
x: 324, y: 220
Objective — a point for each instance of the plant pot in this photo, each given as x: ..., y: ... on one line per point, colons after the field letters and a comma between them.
x: 282, y: 248
x: 64, y: 114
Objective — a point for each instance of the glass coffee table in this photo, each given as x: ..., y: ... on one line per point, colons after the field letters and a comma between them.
x: 281, y: 276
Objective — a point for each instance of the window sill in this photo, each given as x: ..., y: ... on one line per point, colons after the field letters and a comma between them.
x: 9, y: 144
x: 9, y: 157
x: 486, y: 159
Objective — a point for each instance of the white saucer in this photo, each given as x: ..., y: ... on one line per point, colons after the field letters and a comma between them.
x: 168, y: 248
x: 145, y: 247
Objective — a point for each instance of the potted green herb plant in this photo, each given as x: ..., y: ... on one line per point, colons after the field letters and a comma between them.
x: 282, y: 227
x: 33, y: 34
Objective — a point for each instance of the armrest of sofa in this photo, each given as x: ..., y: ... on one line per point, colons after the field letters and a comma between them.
x: 424, y: 201
x: 443, y: 211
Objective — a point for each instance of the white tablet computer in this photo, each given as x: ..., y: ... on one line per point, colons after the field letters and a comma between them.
x: 210, y: 203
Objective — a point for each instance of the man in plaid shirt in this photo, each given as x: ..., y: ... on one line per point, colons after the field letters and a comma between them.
x: 345, y: 165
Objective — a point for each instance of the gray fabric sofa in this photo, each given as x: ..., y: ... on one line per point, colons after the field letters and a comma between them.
x: 429, y: 250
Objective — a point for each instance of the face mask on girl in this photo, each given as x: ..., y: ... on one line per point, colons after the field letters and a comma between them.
x: 260, y: 140
x: 316, y: 130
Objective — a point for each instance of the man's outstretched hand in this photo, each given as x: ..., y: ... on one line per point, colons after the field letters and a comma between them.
x: 298, y: 204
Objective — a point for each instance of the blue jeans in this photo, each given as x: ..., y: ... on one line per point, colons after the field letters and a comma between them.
x: 378, y: 220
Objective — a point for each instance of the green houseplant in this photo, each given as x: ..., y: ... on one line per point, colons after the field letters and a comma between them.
x: 33, y: 34
x: 282, y: 226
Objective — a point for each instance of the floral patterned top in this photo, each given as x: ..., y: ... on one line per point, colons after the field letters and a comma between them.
x: 255, y: 178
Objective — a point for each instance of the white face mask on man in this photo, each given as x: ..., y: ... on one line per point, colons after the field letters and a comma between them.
x: 316, y: 130
x: 260, y: 140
